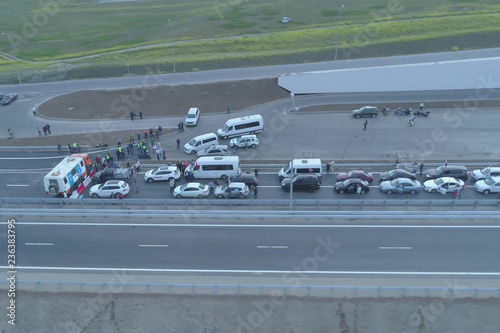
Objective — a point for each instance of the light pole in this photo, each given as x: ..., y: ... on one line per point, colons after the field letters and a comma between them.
x: 172, y: 38
x: 293, y: 101
x: 337, y: 33
x: 15, y: 59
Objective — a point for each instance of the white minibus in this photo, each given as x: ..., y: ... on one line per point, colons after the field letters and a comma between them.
x: 302, y: 166
x: 215, y: 167
x: 243, y: 125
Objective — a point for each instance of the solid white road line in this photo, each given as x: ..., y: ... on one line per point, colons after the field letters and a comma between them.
x: 394, y: 248
x: 171, y: 270
x: 152, y: 245
x: 272, y: 247
x: 18, y: 185
x: 39, y: 244
x: 306, y: 226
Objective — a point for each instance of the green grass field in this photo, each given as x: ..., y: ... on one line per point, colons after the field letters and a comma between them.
x: 230, y: 33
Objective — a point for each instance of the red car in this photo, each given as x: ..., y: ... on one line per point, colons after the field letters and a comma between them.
x: 360, y: 174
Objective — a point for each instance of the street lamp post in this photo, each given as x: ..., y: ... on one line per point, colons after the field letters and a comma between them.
x: 337, y: 32
x: 293, y: 101
x: 15, y: 59
x: 172, y: 38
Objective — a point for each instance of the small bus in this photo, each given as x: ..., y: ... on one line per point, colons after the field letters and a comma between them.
x: 66, y: 177
x: 243, y: 125
x: 215, y: 167
x: 301, y: 166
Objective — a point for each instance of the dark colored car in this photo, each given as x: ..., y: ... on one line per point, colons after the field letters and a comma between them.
x: 301, y: 183
x: 360, y: 174
x: 397, y: 173
x: 7, y: 99
x: 246, y: 178
x: 365, y: 111
x: 351, y: 186
x: 112, y: 174
x: 455, y: 171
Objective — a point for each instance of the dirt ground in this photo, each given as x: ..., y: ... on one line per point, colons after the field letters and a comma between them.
x: 162, y: 101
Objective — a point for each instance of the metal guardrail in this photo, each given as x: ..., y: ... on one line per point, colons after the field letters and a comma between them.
x: 255, y: 290
x: 273, y: 203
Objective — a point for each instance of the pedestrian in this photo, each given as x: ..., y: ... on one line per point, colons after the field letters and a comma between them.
x: 178, y: 143
x: 164, y: 154
x: 421, y: 168
x: 171, y: 183
x: 137, y: 166
x: 421, y: 106
x: 117, y: 154
x: 327, y: 167
x: 132, y: 115
x: 397, y: 163
x: 415, y: 167
x: 178, y: 127
x: 140, y: 114
x: 135, y: 185
x: 255, y: 192
x: 128, y: 162
x: 138, y: 136
x: 33, y: 109
x: 332, y: 163
x: 364, y: 125
x: 11, y: 133
x: 358, y: 191
x: 256, y: 172
x: 145, y: 135
x: 455, y: 193
x: 48, y: 129
x: 228, y: 108
x: 150, y: 132
x: 39, y: 132
x: 119, y: 142
x: 157, y: 151
x: 131, y: 139
x: 159, y: 130
x: 59, y: 148
x: 182, y: 127
x: 44, y: 130
x: 446, y: 163
x: 154, y: 135
x: 461, y: 192
x: 128, y: 150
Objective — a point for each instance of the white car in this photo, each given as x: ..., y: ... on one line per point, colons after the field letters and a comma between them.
x: 483, y: 173
x: 192, y: 190
x: 214, y: 150
x: 162, y: 173
x: 488, y: 185
x: 232, y: 190
x: 109, y: 188
x: 192, y: 117
x: 450, y: 184
x: 245, y: 141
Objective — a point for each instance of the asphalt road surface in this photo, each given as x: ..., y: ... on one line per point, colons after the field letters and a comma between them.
x: 344, y: 249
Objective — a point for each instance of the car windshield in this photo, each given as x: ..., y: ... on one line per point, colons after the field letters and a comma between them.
x: 440, y: 169
x: 183, y: 187
x: 350, y: 174
x: 192, y: 142
x: 439, y: 181
x: 287, y: 168
x: 191, y: 115
x: 224, y: 128
x: 394, y: 182
x: 486, y: 171
x: 489, y: 182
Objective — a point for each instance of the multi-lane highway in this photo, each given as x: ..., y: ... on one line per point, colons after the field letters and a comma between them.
x: 317, y: 248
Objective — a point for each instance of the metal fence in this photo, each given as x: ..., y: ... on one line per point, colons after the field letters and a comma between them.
x: 255, y: 290
x: 263, y: 203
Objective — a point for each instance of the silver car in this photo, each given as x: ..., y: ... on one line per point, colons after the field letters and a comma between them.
x: 214, y: 150
x: 401, y: 185
x: 232, y: 190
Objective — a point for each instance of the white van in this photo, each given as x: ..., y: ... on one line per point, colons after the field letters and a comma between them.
x: 215, y: 167
x: 302, y: 166
x: 200, y: 142
x: 192, y: 117
x: 243, y: 125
